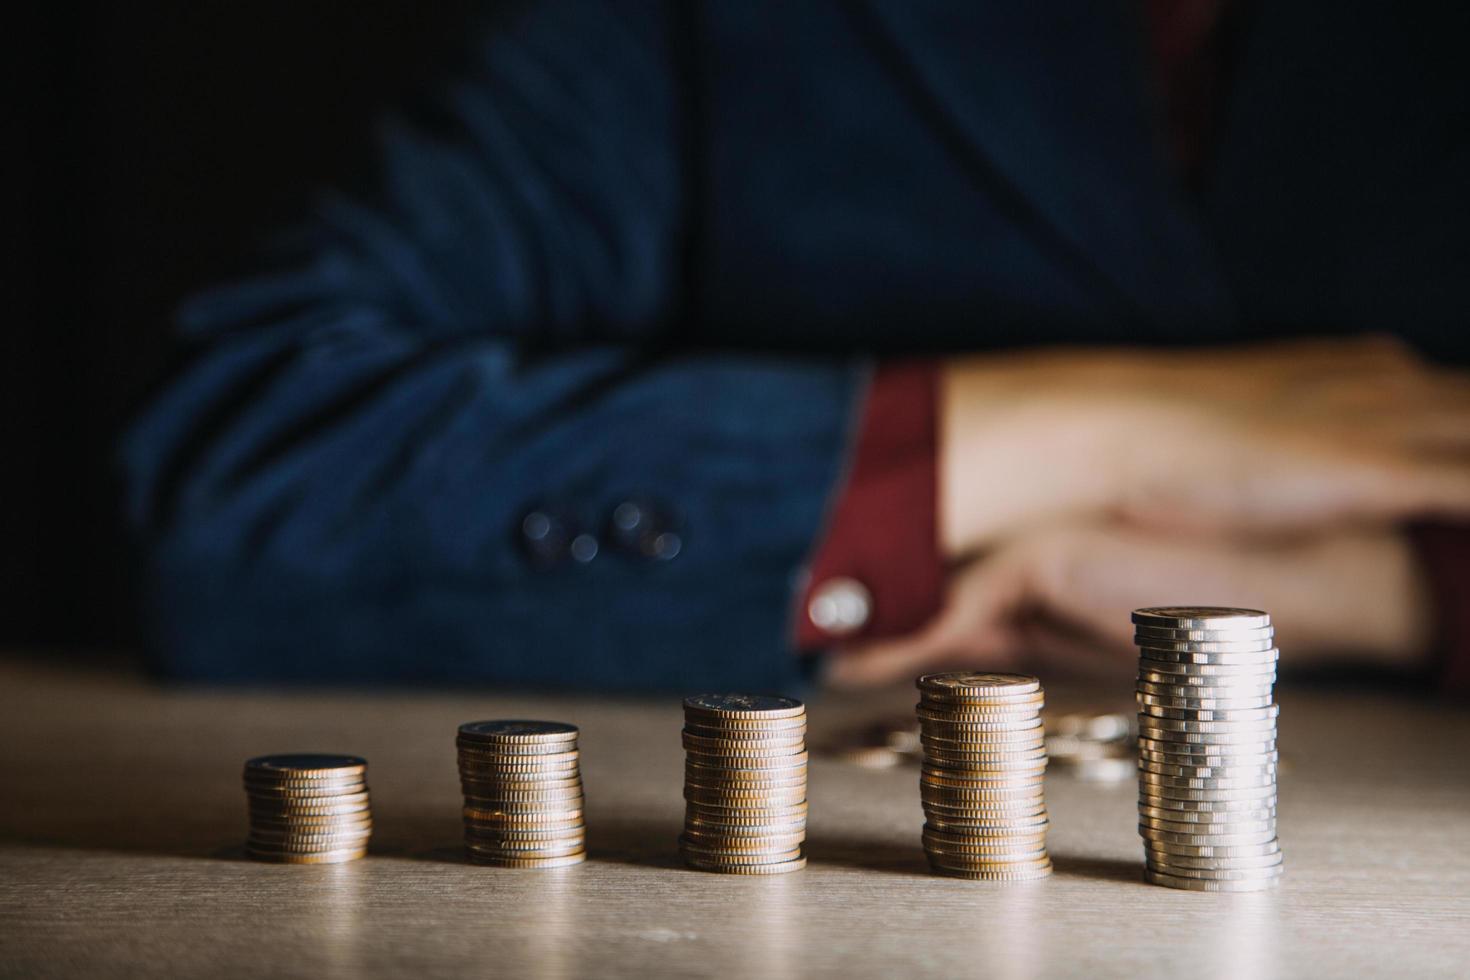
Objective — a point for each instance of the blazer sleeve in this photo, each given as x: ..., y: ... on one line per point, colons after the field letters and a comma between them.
x: 374, y: 456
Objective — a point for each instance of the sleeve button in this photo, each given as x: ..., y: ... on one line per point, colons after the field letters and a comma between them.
x: 583, y: 548
x: 840, y: 606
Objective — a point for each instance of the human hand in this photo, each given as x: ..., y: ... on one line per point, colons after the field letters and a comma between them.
x: 1062, y: 598
x: 1264, y: 439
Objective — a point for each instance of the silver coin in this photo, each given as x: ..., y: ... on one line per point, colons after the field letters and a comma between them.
x: 1230, y: 671
x: 1214, y: 851
x: 1206, y: 772
x: 1238, y: 874
x: 1219, y: 658
x: 1212, y: 863
x: 1205, y: 819
x: 1207, y: 806
x: 1195, y: 884
x: 1152, y: 780
x: 1215, y: 686
x: 1212, y: 795
x: 1210, y: 714
x: 1201, y: 617
x: 1206, y: 840
x: 1209, y: 828
x: 1204, y: 636
x: 1202, y: 704
x: 1257, y: 720
x: 1160, y: 648
x: 1206, y: 692
x: 1210, y: 740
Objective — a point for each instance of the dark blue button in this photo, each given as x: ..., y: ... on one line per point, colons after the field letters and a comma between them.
x: 583, y: 548
x: 645, y: 529
x: 663, y: 546
x: 546, y: 536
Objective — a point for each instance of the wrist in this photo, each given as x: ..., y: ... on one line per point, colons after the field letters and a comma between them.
x: 1019, y: 445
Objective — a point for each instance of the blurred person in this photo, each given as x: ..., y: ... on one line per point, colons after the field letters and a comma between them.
x: 699, y: 344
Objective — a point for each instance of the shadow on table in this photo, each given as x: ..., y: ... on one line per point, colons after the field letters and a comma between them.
x: 642, y: 842
x: 1099, y: 869
x: 867, y: 855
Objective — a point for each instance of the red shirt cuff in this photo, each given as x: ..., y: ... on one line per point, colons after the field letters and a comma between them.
x: 878, y: 571
x: 1445, y: 551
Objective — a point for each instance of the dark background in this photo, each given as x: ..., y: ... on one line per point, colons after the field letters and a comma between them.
x: 157, y: 144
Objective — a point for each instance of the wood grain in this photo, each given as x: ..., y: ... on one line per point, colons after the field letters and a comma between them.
x: 121, y: 816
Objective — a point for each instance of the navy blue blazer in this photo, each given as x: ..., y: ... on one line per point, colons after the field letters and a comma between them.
x: 561, y: 398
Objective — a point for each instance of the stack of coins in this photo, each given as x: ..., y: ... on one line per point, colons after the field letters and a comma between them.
x: 522, y: 793
x: 1207, y: 748
x: 308, y: 809
x: 981, y: 786
x: 744, y: 784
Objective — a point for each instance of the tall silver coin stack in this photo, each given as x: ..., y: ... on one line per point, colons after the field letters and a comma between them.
x: 982, y: 783
x: 1207, y: 748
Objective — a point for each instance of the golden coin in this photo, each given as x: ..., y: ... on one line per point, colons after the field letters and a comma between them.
x: 323, y: 857
x: 495, y: 861
x: 307, y: 765
x: 1030, y: 874
x: 781, y: 867
x: 979, y: 683
x: 737, y: 706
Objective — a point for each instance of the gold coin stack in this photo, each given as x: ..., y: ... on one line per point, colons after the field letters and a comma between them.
x: 308, y: 809
x: 744, y: 784
x: 982, y: 781
x: 1207, y: 748
x: 522, y: 793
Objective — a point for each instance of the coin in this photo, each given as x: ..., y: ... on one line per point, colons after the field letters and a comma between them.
x: 1206, y: 772
x: 1253, y: 650
x: 979, y: 684
x: 1205, y: 692
x: 301, y: 764
x: 1198, y: 831
x: 1181, y: 861
x: 1201, y: 617
x: 1195, y: 884
x: 743, y: 706
x: 1189, y: 653
x: 515, y: 730
x: 780, y: 867
x: 1203, y: 636
x: 527, y: 863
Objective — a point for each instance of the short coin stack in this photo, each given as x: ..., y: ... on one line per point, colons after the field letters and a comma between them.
x: 744, y: 784
x: 1207, y: 748
x: 522, y: 793
x: 982, y: 782
x: 308, y: 809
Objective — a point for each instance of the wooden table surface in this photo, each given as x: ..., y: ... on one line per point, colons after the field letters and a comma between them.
x: 121, y: 816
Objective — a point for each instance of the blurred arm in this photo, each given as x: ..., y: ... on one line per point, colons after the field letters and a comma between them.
x: 335, y: 485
